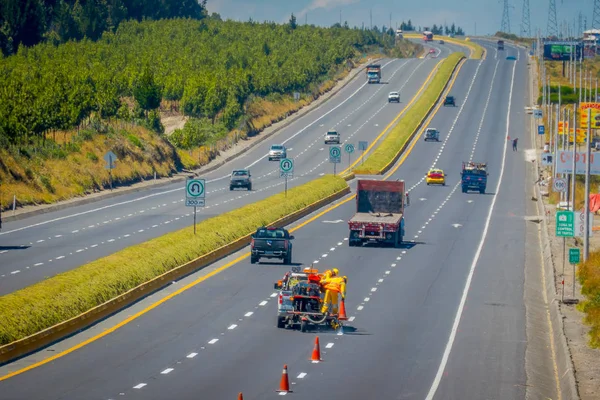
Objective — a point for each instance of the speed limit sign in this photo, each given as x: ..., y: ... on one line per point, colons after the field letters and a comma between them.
x: 559, y: 185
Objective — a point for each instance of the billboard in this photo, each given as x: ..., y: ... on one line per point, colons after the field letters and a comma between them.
x: 564, y: 162
x: 595, y: 116
x: 562, y: 51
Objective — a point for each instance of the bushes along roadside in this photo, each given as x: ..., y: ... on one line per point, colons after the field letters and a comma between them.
x: 589, y: 277
x: 393, y: 144
x: 67, y: 295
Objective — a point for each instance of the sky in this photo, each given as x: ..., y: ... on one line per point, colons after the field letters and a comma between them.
x: 476, y: 17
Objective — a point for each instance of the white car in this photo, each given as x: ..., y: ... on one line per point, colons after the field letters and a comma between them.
x: 394, y: 96
x: 332, y: 137
x: 277, y: 152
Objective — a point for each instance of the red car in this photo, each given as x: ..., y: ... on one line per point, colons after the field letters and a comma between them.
x: 431, y: 51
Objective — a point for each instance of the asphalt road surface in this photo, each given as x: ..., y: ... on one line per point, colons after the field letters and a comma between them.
x: 440, y: 318
x: 41, y: 246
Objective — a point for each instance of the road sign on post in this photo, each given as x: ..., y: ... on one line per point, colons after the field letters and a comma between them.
x: 335, y: 156
x: 349, y: 148
x: 541, y: 129
x: 574, y: 256
x: 537, y: 113
x: 195, y: 193
x: 110, y: 159
x: 362, y: 146
x: 286, y: 169
x: 565, y: 224
x: 559, y: 185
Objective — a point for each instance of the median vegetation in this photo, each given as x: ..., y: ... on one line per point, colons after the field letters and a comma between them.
x: 589, y: 277
x: 67, y: 295
x: 476, y: 49
x: 394, y: 143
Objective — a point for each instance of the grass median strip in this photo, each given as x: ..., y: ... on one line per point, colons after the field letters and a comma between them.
x: 393, y: 144
x: 67, y: 295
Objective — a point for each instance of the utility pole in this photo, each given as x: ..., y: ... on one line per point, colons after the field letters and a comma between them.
x: 552, y: 29
x: 340, y: 17
x: 371, y: 17
x: 586, y: 209
x: 525, y: 20
x: 505, y: 18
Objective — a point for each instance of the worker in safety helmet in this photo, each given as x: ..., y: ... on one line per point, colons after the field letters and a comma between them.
x: 330, y: 273
x: 333, y: 286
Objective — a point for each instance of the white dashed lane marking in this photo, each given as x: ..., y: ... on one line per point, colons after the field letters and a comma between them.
x: 166, y: 371
x: 139, y: 386
x: 213, y: 341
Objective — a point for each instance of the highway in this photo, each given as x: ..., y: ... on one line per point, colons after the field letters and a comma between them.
x: 440, y: 318
x: 41, y: 246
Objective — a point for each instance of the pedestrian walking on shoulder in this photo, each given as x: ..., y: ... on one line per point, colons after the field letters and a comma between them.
x: 515, y: 144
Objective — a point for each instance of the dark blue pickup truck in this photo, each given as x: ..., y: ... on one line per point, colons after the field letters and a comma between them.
x: 474, y: 177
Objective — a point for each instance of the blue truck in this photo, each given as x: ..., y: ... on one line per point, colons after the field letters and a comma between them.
x: 474, y: 176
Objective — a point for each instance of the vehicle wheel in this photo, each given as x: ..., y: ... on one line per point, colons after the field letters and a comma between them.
x: 398, y: 240
x: 253, y: 260
x: 304, y: 326
x: 482, y: 191
x: 427, y: 183
x: 280, y: 322
x: 230, y: 187
x: 288, y: 259
x: 464, y: 190
x: 249, y: 187
x: 443, y: 183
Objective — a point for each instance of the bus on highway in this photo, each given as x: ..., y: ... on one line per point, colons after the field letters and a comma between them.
x: 428, y: 36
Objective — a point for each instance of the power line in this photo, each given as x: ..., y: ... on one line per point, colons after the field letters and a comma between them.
x: 505, y: 26
x: 525, y: 20
x: 552, y: 28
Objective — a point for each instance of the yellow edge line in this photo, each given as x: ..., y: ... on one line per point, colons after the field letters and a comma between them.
x: 218, y: 270
x: 424, y: 126
x: 415, y: 97
x: 163, y: 300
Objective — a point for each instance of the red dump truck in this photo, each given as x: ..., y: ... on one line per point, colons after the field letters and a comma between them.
x: 379, y: 213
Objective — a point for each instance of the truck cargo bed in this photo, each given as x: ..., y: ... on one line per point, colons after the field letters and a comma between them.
x: 373, y: 218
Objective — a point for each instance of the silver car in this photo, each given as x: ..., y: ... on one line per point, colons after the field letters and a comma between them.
x: 394, y: 97
x: 332, y: 137
x: 240, y: 178
x: 277, y: 152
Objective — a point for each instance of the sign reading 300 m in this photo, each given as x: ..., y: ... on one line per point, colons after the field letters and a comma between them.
x: 594, y: 121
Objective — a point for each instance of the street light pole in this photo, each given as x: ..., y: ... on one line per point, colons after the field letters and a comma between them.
x: 586, y: 234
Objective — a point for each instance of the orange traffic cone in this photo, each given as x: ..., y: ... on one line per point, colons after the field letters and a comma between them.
x: 240, y: 396
x: 342, y: 316
x: 316, y: 353
x: 284, y: 385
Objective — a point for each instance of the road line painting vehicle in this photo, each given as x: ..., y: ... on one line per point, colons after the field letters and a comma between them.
x: 435, y: 176
x: 474, y: 176
x: 271, y: 243
x: 379, y: 213
x: 374, y: 73
x: 277, y: 152
x: 332, y: 136
x: 300, y: 299
x: 240, y: 178
x: 432, y: 134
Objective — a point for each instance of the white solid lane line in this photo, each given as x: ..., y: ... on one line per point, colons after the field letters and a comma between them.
x: 463, y: 300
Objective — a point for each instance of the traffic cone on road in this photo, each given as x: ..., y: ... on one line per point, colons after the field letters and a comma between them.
x: 284, y: 385
x: 240, y: 396
x: 316, y: 353
x: 343, y: 316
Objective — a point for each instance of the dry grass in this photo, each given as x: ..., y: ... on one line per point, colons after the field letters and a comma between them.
x: 392, y: 145
x: 36, y: 179
x: 589, y: 277
x: 554, y: 71
x: 71, y: 293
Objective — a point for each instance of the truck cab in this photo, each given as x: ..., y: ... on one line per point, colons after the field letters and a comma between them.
x: 271, y: 243
x: 374, y: 73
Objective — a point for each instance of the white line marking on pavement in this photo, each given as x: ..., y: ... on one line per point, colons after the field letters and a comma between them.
x: 166, y: 371
x: 139, y: 386
x: 192, y: 355
x: 374, y: 289
x: 213, y: 341
x: 79, y: 251
x: 329, y: 345
x: 38, y: 264
x: 351, y: 318
x: 248, y: 314
x: 381, y: 280
x: 387, y: 272
x: 463, y: 300
x: 367, y: 299
x: 59, y: 257
x: 302, y: 375
x: 263, y: 303
x: 15, y: 272
x: 273, y: 294
x: 359, y: 308
x: 110, y: 240
x: 232, y: 327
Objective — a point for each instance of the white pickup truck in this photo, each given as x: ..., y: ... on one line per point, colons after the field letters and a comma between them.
x: 332, y: 137
x: 394, y: 97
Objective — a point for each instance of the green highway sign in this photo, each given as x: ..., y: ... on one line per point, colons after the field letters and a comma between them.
x: 286, y: 167
x: 349, y: 148
x: 195, y: 192
x: 565, y: 224
x: 335, y: 154
x: 574, y: 256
